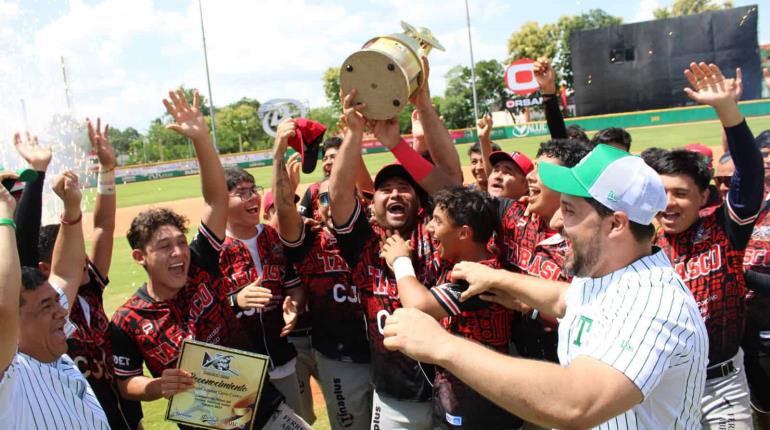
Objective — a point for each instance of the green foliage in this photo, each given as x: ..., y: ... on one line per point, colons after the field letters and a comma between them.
x: 331, y: 81
x: 326, y: 115
x: 240, y: 129
x: 690, y: 7
x: 457, y: 104
x: 552, y: 40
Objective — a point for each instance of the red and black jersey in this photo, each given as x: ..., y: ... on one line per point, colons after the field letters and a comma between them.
x: 90, y: 347
x: 757, y: 259
x: 336, y: 316
x: 394, y: 374
x: 151, y: 332
x: 238, y: 266
x: 455, y: 404
x: 308, y: 206
x: 708, y: 256
x: 513, y: 240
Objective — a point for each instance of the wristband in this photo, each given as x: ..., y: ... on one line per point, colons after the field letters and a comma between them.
x: 413, y: 162
x: 111, y: 169
x: 548, y: 95
x: 73, y: 222
x: 8, y: 221
x: 106, y: 182
x: 402, y: 266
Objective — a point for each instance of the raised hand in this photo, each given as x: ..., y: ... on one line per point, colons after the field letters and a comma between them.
x: 292, y: 168
x: 7, y: 202
x: 37, y: 156
x: 709, y: 86
x: 738, y: 85
x: 67, y: 187
x: 388, y: 131
x: 100, y: 144
x: 545, y: 76
x: 484, y: 127
x: 174, y: 381
x: 351, y: 113
x: 286, y: 130
x: 417, y: 131
x: 189, y: 119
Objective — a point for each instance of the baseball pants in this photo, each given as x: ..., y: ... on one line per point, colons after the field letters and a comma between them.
x: 347, y: 389
x: 389, y: 414
x: 725, y: 403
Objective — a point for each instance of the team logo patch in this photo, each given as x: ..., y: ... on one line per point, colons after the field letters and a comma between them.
x: 218, y: 364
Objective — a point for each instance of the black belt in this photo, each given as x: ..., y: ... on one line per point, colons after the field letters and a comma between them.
x: 720, y: 370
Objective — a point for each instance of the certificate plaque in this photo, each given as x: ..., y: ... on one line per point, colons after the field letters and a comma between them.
x: 228, y: 384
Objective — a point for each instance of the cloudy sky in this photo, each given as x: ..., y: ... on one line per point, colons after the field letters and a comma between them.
x: 123, y: 55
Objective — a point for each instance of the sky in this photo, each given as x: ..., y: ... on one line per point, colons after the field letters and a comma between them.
x: 122, y: 56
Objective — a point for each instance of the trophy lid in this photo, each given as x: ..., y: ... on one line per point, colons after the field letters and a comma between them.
x: 423, y: 36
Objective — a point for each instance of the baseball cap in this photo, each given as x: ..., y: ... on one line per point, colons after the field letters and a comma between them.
x: 307, y: 142
x: 518, y: 158
x: 267, y: 202
x: 618, y: 180
x: 703, y: 150
x: 17, y: 185
x: 392, y: 170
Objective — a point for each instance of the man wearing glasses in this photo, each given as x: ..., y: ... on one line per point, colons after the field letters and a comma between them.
x: 339, y: 343
x: 263, y: 290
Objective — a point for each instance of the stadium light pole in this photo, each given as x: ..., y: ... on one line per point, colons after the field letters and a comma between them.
x: 208, y: 80
x: 473, y: 64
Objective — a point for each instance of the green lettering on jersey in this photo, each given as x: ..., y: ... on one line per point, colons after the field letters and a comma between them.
x: 585, y: 324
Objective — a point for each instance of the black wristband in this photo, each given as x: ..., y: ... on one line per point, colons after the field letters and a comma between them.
x: 233, y: 300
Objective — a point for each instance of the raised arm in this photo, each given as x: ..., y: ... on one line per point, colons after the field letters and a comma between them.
x: 542, y: 294
x: 342, y: 182
x: 289, y: 220
x: 69, y: 254
x: 191, y: 124
x: 437, y: 139
x: 744, y: 199
x: 30, y: 208
x: 431, y: 178
x: 484, y: 131
x: 546, y: 79
x: 104, y: 208
x: 10, y: 278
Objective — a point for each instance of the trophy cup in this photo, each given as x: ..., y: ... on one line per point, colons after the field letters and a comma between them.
x: 387, y: 70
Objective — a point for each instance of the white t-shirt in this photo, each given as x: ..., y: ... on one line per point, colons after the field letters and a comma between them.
x: 36, y: 395
x: 643, y: 321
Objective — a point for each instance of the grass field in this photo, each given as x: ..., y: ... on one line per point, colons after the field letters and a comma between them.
x: 126, y: 276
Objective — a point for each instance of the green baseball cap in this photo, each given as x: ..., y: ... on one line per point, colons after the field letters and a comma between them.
x: 618, y: 180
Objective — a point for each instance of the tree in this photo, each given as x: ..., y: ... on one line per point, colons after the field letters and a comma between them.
x: 457, y: 104
x: 121, y: 140
x: 552, y: 40
x: 331, y: 81
x: 689, y: 7
x: 240, y: 126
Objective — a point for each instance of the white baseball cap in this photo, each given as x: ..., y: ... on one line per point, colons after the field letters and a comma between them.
x: 613, y: 177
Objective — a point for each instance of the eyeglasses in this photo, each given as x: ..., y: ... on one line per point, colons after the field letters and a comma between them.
x: 323, y: 199
x: 719, y: 180
x: 247, y: 193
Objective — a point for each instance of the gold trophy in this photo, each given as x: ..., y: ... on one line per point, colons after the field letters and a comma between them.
x: 387, y: 70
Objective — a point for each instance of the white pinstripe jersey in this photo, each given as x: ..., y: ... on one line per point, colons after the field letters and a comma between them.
x: 643, y: 321
x: 36, y: 395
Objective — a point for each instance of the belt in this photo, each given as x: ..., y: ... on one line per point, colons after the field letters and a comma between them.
x: 720, y: 370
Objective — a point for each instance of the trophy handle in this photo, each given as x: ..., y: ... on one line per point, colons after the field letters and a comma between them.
x: 423, y: 36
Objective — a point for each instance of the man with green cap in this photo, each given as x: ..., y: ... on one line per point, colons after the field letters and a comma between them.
x: 632, y: 344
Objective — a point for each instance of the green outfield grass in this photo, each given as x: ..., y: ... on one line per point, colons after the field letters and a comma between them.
x: 126, y: 276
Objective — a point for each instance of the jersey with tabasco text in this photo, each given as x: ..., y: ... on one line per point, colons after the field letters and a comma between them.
x: 454, y: 403
x: 395, y: 375
x: 711, y: 266
x: 151, y: 332
x: 338, y: 325
x: 757, y: 258
x: 241, y: 268
x: 516, y: 237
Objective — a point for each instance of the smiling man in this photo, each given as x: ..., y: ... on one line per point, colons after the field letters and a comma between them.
x: 707, y: 245
x: 632, y: 345
x: 461, y: 226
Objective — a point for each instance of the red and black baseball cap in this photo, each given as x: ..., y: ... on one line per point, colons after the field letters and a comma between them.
x: 397, y: 170
x: 307, y: 142
x: 518, y: 158
x: 268, y: 202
